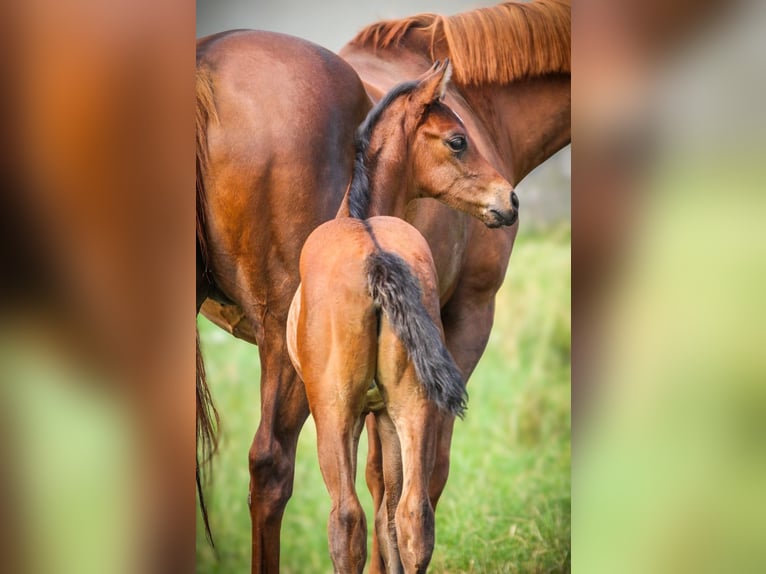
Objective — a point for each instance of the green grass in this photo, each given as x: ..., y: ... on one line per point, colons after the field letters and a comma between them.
x: 506, y: 507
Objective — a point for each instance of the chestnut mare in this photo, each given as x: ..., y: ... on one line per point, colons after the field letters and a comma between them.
x: 367, y: 313
x: 511, y: 88
x: 276, y: 118
x: 276, y: 121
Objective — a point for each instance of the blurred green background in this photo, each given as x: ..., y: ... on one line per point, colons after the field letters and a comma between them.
x: 506, y: 507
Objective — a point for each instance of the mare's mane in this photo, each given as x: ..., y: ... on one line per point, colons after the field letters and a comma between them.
x: 500, y: 44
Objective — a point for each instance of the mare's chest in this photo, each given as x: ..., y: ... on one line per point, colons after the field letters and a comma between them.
x: 446, y: 231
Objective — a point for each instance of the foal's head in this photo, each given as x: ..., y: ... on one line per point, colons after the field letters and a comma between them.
x: 413, y: 143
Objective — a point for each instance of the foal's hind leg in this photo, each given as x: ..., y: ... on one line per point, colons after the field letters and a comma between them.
x: 338, y: 432
x: 412, y: 415
x: 385, y: 494
x: 335, y: 347
x: 443, y: 427
x: 415, y: 526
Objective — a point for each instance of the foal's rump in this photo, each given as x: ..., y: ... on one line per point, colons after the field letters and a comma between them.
x: 359, y: 279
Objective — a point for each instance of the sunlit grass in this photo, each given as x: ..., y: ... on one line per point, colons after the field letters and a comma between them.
x: 506, y: 507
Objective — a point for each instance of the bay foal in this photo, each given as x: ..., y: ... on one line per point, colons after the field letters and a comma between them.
x: 364, y: 329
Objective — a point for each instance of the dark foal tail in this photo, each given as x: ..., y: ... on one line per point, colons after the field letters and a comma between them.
x: 396, y: 290
x: 207, y: 416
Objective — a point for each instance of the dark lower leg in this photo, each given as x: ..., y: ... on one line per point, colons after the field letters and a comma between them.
x: 272, y: 468
x: 284, y: 409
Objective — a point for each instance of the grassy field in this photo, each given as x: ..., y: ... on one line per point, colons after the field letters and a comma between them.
x: 506, y: 507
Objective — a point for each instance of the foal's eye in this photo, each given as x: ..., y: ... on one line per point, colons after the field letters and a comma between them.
x: 457, y: 143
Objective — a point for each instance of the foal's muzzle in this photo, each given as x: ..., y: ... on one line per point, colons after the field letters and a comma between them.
x: 499, y: 217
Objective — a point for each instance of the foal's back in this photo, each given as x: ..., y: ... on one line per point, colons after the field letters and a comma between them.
x: 336, y: 309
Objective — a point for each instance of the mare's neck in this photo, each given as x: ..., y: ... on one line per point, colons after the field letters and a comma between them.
x: 527, y: 121
x: 518, y: 125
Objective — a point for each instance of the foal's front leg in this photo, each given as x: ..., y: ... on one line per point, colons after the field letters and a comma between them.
x: 387, y: 548
x: 374, y: 478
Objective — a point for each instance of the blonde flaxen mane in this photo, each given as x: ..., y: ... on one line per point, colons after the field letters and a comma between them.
x: 499, y: 44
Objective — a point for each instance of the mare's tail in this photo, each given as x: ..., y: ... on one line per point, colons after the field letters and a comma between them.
x: 397, y: 291
x: 207, y: 422
x: 207, y: 416
x: 205, y: 112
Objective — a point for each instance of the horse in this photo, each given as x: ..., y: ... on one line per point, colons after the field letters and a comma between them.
x: 364, y: 330
x: 275, y: 150
x: 512, y: 90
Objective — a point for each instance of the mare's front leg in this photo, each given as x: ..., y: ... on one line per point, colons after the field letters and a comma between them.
x: 467, y: 319
x: 467, y: 325
x: 284, y: 409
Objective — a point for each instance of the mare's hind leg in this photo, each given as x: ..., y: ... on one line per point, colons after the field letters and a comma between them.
x: 284, y: 409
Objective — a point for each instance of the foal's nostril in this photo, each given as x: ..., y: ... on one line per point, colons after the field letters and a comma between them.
x: 514, y: 200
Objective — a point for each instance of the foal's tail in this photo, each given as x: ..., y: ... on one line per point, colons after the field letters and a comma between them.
x: 207, y: 417
x: 396, y: 290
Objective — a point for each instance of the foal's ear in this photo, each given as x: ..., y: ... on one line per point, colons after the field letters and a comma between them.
x: 433, y: 84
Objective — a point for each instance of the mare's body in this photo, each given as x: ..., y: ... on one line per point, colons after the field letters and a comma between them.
x: 513, y: 94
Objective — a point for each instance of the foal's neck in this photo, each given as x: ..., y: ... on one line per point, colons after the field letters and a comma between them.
x: 390, y: 190
x: 390, y: 185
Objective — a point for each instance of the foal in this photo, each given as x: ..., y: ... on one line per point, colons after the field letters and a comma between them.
x: 364, y: 329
